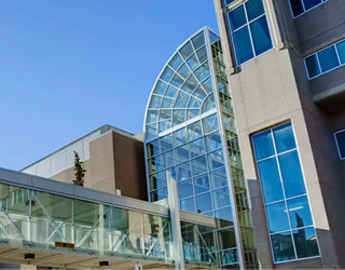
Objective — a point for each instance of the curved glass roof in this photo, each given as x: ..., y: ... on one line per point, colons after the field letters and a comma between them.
x: 183, y: 90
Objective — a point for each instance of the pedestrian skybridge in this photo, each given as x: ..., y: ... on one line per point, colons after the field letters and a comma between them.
x: 49, y: 223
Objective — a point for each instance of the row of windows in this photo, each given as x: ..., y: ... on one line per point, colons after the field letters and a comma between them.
x: 325, y: 60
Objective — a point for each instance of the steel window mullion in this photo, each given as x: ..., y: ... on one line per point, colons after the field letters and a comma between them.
x: 338, y: 55
x: 249, y: 30
x: 304, y: 10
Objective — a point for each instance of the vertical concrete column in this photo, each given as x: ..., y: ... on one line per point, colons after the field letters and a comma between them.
x: 175, y: 223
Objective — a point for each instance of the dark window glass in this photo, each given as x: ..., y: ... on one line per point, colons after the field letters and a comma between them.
x: 261, y: 35
x: 270, y: 180
x: 227, y: 239
x: 308, y: 4
x: 284, y: 138
x: 328, y: 59
x: 299, y: 212
x: 306, y: 243
x: 277, y: 217
x: 237, y: 18
x: 282, y: 247
x: 341, y: 143
x: 312, y: 66
x: 224, y: 218
x: 263, y: 145
x: 341, y: 51
x: 296, y: 7
x: 203, y: 203
x: 159, y: 194
x: 243, y: 46
x: 292, y: 174
x: 255, y: 8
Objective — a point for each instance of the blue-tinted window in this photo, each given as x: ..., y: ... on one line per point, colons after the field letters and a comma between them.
x: 306, y: 243
x: 201, y: 184
x: 299, y: 212
x: 185, y: 189
x: 282, y: 247
x: 340, y: 140
x: 308, y: 4
x: 203, y: 203
x: 299, y: 7
x: 188, y: 205
x: 263, y: 144
x: 312, y: 66
x: 227, y: 2
x: 292, y: 174
x: 284, y: 138
x: 341, y: 51
x: 277, y: 217
x: 270, y: 180
x: 221, y: 197
x: 328, y: 59
x: 250, y: 31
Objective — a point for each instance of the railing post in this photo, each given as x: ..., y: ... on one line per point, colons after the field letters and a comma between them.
x: 175, y: 223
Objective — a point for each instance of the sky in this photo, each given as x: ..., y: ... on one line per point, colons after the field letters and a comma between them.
x: 68, y: 67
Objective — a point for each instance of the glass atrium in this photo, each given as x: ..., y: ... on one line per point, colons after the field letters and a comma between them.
x: 190, y: 136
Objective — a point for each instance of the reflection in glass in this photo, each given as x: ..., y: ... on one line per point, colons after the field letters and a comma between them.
x: 328, y: 59
x: 227, y: 238
x: 188, y: 205
x: 224, y: 217
x: 255, y: 8
x: 201, y: 184
x: 210, y: 124
x: 277, y: 217
x: 182, y: 154
x: 203, y: 203
x: 213, y: 141
x: 221, y: 197
x: 263, y: 145
x: 197, y: 147
x: 341, y: 51
x: 215, y: 159
x: 306, y: 243
x: 194, y: 131
x: 218, y: 179
x: 166, y: 143
x: 299, y: 212
x: 312, y: 66
x: 152, y: 148
x: 237, y: 18
x: 282, y: 247
x: 185, y: 189
x: 284, y: 138
x: 183, y: 171
x: 199, y: 165
x: 261, y: 35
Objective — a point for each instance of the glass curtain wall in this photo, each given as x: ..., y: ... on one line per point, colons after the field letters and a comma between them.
x: 290, y: 221
x: 185, y: 141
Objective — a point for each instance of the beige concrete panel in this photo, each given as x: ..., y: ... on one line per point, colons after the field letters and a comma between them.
x: 68, y: 175
x: 239, y: 105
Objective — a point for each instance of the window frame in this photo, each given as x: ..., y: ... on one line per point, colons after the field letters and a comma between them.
x: 337, y: 144
x: 305, y: 11
x: 247, y: 24
x: 318, y: 61
x: 285, y: 200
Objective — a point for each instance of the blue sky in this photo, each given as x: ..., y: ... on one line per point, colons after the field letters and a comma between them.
x: 68, y: 67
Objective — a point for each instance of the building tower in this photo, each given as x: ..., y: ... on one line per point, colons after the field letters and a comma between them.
x: 190, y: 136
x: 285, y: 63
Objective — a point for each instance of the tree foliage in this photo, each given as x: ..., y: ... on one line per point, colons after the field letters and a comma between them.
x: 79, y: 171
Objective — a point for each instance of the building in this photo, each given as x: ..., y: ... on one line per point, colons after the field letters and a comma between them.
x: 113, y: 159
x: 285, y: 63
x: 190, y: 136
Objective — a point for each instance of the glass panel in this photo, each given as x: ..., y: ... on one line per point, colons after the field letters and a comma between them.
x: 168, y: 159
x: 180, y: 137
x: 227, y: 239
x: 167, y: 74
x: 152, y: 148
x: 328, y: 59
x: 218, y: 179
x: 213, y: 141
x: 192, y: 113
x: 176, y: 61
x: 193, y: 61
x: 229, y: 123
x: 270, y: 180
x: 202, y: 72
x: 203, y: 203
x: 202, y: 55
x: 292, y: 174
x: 188, y: 205
x: 186, y: 50
x: 209, y: 104
x: 184, y: 71
x: 199, y: 165
x: 230, y: 257
x: 171, y: 91
x: 195, y: 103
x: 154, y: 164
x: 169, y: 174
x: 160, y: 88
x: 277, y: 217
x: 340, y: 137
x: 215, y: 159
x: 197, y: 148
x: 299, y: 212
x: 284, y: 138
x: 164, y: 115
x: 221, y: 197
x: 158, y: 195
x: 179, y: 116
x: 185, y: 189
x: 263, y: 144
x: 177, y: 81
x: 261, y: 35
x: 254, y: 8
x: 182, y: 154
x: 198, y: 40
x: 296, y: 6
x: 190, y: 84
x: 341, y: 51
x: 152, y: 116
x: 312, y: 66
x: 243, y: 46
x: 168, y: 103
x: 208, y: 85
x: 200, y: 93
x: 166, y: 142
x: 194, y: 131
x: 182, y: 100
x: 306, y: 243
x: 201, y: 184
x: 183, y: 171
x: 237, y: 18
x: 210, y: 124
x: 282, y: 247
x: 308, y: 4
x: 157, y: 181
x: 224, y: 217
x: 151, y: 130
x: 155, y: 102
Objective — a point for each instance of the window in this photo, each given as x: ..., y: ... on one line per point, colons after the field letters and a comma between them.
x: 340, y: 142
x: 325, y: 60
x: 250, y: 31
x: 289, y: 218
x: 298, y: 7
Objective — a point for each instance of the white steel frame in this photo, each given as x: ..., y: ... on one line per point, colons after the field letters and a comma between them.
x: 304, y: 9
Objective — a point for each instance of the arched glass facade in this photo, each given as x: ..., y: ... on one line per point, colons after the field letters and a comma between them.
x: 190, y: 136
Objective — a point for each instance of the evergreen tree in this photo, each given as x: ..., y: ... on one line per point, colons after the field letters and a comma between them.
x: 79, y: 171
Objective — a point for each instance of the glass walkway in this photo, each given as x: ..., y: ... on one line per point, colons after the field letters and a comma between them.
x: 49, y: 223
